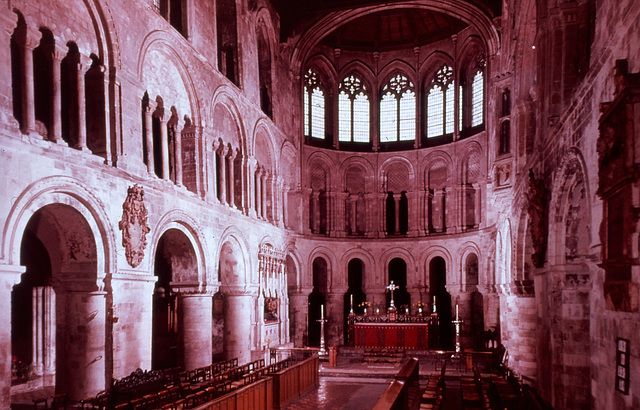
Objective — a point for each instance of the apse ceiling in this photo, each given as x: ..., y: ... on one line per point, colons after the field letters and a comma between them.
x: 390, y: 29
x: 393, y: 29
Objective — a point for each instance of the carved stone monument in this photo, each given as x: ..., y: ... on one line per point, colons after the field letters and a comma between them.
x: 134, y: 225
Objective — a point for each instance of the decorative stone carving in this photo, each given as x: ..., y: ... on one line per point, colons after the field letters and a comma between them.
x: 538, y: 196
x: 134, y: 225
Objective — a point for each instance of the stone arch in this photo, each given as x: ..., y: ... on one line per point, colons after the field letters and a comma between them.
x: 320, y: 160
x: 466, y: 250
x: 364, y: 72
x: 156, y: 51
x: 370, y: 275
x: 289, y: 169
x: 437, y: 251
x: 293, y: 261
x: 460, y: 9
x: 433, y: 63
x: 570, y: 212
x: 182, y: 222
x: 240, y: 249
x: 225, y: 96
x: 329, y: 256
x: 68, y: 191
x: 435, y: 157
x: 325, y: 69
x: 397, y: 67
x: 394, y: 163
x: 469, y: 48
x: 362, y: 164
x: 74, y: 236
x: 393, y: 253
x: 262, y: 132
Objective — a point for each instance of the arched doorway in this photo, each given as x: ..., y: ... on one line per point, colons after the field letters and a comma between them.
x: 355, y: 294
x: 58, y: 312
x: 398, y: 274
x: 317, y: 298
x: 438, y: 289
x: 181, y: 333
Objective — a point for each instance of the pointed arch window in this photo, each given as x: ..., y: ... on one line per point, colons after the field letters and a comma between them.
x: 353, y: 111
x: 313, y: 106
x: 440, y: 103
x: 398, y: 110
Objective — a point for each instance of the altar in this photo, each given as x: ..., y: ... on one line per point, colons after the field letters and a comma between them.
x: 392, y: 334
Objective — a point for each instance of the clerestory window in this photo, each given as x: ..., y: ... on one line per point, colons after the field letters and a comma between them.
x: 353, y: 111
x: 313, y: 106
x: 440, y: 103
x: 398, y: 110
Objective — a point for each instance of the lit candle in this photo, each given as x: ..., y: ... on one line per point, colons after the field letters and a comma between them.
x: 434, y: 299
x: 456, y: 311
x: 351, y: 297
x: 321, y: 311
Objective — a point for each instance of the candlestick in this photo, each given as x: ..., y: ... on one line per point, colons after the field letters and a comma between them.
x: 351, y: 304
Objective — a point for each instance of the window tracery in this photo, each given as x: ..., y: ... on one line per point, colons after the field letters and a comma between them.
x: 440, y: 103
x: 313, y: 105
x: 353, y: 111
x: 398, y: 110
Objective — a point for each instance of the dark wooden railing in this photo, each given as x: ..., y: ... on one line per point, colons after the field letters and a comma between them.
x: 404, y: 390
x: 294, y: 381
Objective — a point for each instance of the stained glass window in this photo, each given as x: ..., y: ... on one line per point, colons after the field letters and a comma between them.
x: 313, y: 106
x: 353, y: 111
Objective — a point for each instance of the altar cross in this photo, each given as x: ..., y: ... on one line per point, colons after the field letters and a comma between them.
x: 392, y: 286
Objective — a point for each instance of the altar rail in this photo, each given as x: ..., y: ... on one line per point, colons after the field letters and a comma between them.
x: 404, y: 390
x: 273, y: 387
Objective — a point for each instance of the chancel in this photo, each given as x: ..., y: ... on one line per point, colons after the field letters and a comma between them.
x: 205, y: 201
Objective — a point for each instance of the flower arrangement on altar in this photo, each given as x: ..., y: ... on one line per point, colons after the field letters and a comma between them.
x: 420, y: 306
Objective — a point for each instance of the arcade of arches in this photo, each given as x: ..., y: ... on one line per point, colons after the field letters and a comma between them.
x: 200, y: 182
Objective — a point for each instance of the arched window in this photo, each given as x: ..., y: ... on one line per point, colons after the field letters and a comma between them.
x: 313, y: 106
x: 440, y: 98
x: 353, y: 111
x: 398, y: 110
x: 477, y: 98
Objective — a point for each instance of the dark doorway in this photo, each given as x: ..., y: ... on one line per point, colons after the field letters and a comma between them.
x: 437, y: 286
x: 355, y: 275
x: 317, y: 298
x: 398, y: 274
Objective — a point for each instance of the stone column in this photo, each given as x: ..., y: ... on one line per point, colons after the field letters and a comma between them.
x: 222, y: 152
x: 263, y: 194
x: 334, y: 315
x: 237, y: 326
x: 271, y: 206
x: 396, y: 199
x: 382, y: 220
x: 83, y: 66
x: 44, y: 330
x: 195, y: 342
x: 478, y: 205
x: 423, y: 213
x: 251, y: 188
x: 148, y: 135
x: 307, y: 196
x: 258, y: 192
x: 230, y: 167
x: 428, y: 200
x: 28, y: 98
x: 448, y: 211
x: 353, y: 212
x: 81, y: 345
x: 212, y: 155
x: 299, y: 315
x: 315, y: 200
x: 56, y: 95
x: 412, y: 213
x: 164, y: 142
x: 9, y: 276
x: 177, y: 135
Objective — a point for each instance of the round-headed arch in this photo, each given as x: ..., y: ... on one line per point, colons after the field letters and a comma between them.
x: 65, y: 191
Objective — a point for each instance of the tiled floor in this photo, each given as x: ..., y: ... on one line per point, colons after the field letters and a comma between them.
x: 342, y: 393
